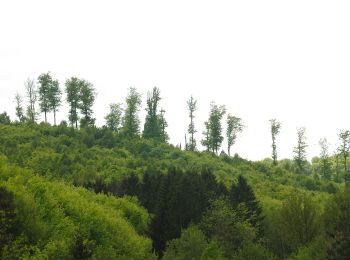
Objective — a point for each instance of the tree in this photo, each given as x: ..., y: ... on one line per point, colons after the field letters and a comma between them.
x: 45, y: 82
x: 325, y: 164
x: 163, y: 124
x: 31, y: 91
x: 336, y: 218
x: 300, y: 150
x: 152, y: 128
x: 131, y: 121
x: 234, y: 127
x: 213, y: 134
x: 242, y: 193
x: 55, y: 94
x: 72, y: 91
x: 5, y: 119
x: 275, y: 130
x: 192, y: 107
x: 114, y: 117
x: 206, y: 141
x: 299, y: 220
x: 344, y: 148
x: 87, y: 95
x: 19, y: 108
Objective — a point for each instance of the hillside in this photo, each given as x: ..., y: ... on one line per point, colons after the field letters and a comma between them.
x: 94, y: 193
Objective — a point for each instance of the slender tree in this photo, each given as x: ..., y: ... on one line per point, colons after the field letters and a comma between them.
x: 344, y: 148
x: 152, y: 128
x: 45, y: 83
x: 234, y: 127
x: 72, y: 91
x: 31, y: 91
x: 300, y: 150
x: 55, y: 95
x: 192, y: 107
x: 325, y: 164
x: 275, y: 130
x: 163, y: 124
x: 19, y: 108
x: 131, y: 121
x: 206, y: 141
x: 87, y: 96
x: 114, y: 117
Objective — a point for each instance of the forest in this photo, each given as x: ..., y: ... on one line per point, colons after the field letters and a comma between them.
x: 73, y: 190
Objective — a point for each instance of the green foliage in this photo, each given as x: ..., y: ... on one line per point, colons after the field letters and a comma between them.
x: 72, y: 91
x: 300, y: 150
x: 234, y: 127
x: 87, y: 95
x: 114, y: 117
x: 4, y: 119
x: 131, y: 121
x: 192, y: 245
x: 61, y: 221
x: 275, y: 130
x: 192, y: 107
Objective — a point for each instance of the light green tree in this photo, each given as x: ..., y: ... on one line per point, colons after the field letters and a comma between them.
x: 275, y: 130
x: 131, y: 121
x: 234, y: 127
x: 114, y: 117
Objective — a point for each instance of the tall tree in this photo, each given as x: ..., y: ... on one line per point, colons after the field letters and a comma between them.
x: 131, y: 121
x: 19, y: 108
x: 234, y: 127
x: 31, y: 91
x: 55, y: 94
x: 206, y: 141
x: 45, y: 82
x: 163, y: 124
x: 325, y: 164
x: 344, y: 148
x: 87, y: 95
x: 152, y: 128
x: 72, y: 91
x: 275, y: 130
x: 300, y: 150
x: 214, y: 135
x: 114, y: 117
x: 192, y: 107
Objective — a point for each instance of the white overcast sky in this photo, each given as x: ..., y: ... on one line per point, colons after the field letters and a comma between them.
x: 288, y: 60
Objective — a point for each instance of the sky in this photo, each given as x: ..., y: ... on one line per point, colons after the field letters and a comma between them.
x: 288, y: 60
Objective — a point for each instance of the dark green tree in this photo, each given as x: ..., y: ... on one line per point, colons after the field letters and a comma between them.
x: 275, y: 130
x: 152, y: 128
x: 131, y: 121
x: 300, y: 150
x: 87, y: 96
x: 45, y: 83
x: 114, y: 117
x: 72, y: 90
x: 243, y: 193
x: 234, y: 127
x: 5, y: 119
x: 192, y: 107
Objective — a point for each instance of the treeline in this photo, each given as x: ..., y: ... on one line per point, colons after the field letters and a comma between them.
x: 45, y: 96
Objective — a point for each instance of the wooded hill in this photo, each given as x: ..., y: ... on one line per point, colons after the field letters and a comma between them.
x: 94, y: 193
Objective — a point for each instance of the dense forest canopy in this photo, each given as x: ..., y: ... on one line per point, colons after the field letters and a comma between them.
x: 73, y: 190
